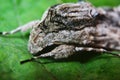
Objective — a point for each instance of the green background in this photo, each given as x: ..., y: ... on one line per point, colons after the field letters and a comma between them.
x: 13, y: 48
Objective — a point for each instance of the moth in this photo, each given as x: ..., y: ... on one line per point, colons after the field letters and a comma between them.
x: 68, y: 28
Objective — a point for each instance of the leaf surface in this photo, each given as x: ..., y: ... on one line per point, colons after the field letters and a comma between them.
x: 13, y: 48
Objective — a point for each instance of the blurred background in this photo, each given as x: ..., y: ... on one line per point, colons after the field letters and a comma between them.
x: 13, y: 48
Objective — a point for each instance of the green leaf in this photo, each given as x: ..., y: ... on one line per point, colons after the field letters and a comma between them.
x: 13, y: 48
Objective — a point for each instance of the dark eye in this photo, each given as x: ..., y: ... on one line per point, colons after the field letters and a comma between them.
x: 93, y: 12
x: 45, y: 26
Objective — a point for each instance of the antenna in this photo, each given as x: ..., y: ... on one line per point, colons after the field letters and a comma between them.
x: 27, y: 60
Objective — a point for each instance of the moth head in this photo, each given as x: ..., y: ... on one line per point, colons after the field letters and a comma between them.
x: 40, y: 42
x: 34, y: 38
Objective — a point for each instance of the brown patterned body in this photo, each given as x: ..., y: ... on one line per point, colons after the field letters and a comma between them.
x: 71, y: 27
x: 67, y: 16
x: 101, y: 33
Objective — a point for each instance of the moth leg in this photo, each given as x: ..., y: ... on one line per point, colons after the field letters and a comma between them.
x: 62, y: 51
x: 89, y: 49
x: 100, y: 50
x: 22, y: 28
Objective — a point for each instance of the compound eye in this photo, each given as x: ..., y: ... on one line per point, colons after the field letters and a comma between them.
x: 93, y: 12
